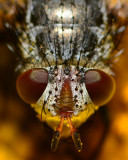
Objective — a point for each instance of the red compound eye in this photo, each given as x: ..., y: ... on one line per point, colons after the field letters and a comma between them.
x: 31, y: 84
x: 100, y: 86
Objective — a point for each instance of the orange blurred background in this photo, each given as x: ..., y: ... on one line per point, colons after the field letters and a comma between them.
x: 23, y: 137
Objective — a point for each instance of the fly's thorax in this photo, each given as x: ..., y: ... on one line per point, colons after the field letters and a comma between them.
x: 73, y: 31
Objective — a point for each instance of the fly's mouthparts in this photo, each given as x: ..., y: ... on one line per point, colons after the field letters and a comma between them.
x: 57, y: 135
x: 75, y: 136
x: 74, y: 133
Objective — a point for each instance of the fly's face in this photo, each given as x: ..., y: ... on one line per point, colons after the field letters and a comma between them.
x: 66, y: 95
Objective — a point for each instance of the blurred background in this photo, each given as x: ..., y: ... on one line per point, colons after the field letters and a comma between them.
x: 23, y: 137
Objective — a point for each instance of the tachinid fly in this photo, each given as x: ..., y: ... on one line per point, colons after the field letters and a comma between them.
x: 65, y: 75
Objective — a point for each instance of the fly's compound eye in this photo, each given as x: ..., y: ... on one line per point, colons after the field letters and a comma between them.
x: 31, y: 84
x: 100, y: 86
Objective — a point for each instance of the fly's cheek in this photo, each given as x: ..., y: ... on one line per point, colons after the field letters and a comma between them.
x: 31, y: 84
x: 100, y: 86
